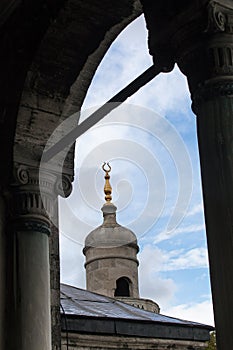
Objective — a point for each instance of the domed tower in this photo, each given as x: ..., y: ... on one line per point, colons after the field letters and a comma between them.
x: 111, y: 253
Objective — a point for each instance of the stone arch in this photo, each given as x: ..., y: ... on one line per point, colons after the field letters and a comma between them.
x: 62, y: 68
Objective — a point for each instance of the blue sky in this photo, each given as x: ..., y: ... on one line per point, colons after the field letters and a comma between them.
x: 151, y: 144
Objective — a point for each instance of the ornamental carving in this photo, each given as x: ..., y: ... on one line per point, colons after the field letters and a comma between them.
x: 216, y: 18
x: 220, y: 17
x: 63, y: 186
x: 222, y: 57
x: 22, y: 175
x: 35, y: 191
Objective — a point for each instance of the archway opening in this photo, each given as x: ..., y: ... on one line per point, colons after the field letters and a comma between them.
x: 168, y: 96
x: 122, y: 287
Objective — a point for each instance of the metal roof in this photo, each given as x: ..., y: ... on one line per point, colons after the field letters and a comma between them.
x: 96, y: 309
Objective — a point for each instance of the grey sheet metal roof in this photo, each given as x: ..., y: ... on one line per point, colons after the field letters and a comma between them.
x: 78, y: 304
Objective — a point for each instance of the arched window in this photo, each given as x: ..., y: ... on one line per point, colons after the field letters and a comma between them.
x: 122, y: 287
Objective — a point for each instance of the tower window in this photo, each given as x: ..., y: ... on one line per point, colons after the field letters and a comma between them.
x: 122, y: 287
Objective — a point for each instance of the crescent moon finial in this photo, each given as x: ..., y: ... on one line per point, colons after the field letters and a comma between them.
x: 107, y: 186
x: 104, y: 167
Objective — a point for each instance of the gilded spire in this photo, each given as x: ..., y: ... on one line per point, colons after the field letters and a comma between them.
x: 107, y: 186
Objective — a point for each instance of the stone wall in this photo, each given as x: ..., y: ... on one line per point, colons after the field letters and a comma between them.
x: 105, y: 265
x: 101, y: 342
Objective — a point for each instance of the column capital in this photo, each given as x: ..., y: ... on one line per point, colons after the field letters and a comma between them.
x: 197, y: 35
x: 204, y: 48
x: 33, y: 193
x: 220, y: 17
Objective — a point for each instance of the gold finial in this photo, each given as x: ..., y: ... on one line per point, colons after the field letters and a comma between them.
x: 107, y: 186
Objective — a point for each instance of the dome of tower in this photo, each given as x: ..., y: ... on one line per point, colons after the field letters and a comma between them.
x: 110, y: 234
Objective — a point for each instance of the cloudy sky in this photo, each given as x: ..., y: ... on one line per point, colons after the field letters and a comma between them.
x: 151, y: 144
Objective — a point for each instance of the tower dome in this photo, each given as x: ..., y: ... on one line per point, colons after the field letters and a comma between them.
x: 110, y: 234
x: 111, y: 253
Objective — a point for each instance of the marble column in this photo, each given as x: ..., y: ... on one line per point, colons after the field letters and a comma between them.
x: 205, y: 55
x: 32, y: 200
x: 55, y: 282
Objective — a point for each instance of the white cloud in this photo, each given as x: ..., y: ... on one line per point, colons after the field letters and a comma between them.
x: 196, y: 209
x: 150, y: 143
x: 165, y: 235
x: 127, y: 58
x: 180, y: 260
x: 72, y: 263
x: 167, y: 92
x: 124, y: 61
x: 152, y: 285
x: 199, y: 312
x: 163, y: 290
x: 156, y: 260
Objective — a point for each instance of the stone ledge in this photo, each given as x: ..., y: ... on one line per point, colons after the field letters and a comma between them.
x: 145, y: 304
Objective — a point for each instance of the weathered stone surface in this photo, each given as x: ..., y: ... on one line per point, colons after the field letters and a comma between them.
x: 55, y: 285
x: 111, y: 253
x: 56, y: 83
x: 101, y: 342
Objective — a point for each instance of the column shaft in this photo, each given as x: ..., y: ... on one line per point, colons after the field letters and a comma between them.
x: 32, y: 288
x: 215, y: 136
x: 55, y: 282
x: 205, y: 55
x: 28, y: 289
x: 28, y: 298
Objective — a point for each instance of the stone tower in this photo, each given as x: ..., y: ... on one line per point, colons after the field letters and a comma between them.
x: 111, y: 257
x: 111, y: 254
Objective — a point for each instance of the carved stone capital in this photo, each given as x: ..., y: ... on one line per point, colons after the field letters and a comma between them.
x: 217, y: 17
x: 34, y: 195
x: 63, y: 186
x: 205, y: 55
x: 198, y: 35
